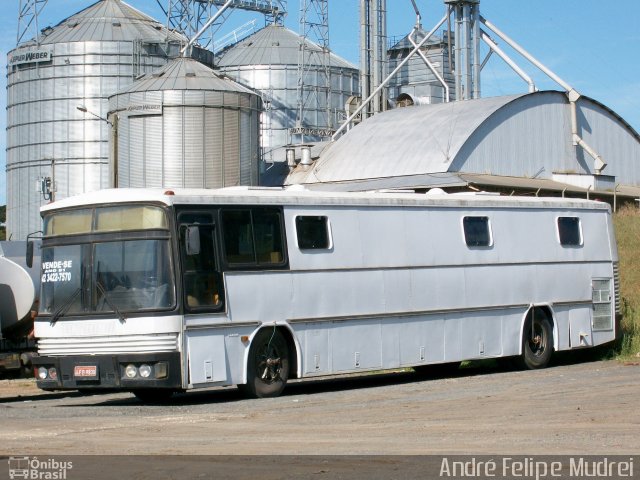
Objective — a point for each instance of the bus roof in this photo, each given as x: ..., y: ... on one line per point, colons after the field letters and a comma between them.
x: 297, y: 195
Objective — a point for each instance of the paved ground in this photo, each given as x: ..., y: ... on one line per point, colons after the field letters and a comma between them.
x: 583, y: 408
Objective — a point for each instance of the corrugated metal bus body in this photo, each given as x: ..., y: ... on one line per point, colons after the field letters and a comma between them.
x: 322, y: 283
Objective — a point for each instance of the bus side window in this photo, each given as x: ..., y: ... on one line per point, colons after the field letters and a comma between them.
x: 253, y: 238
x: 476, y: 231
x: 313, y: 232
x: 569, y: 231
x: 267, y: 228
x: 238, y: 237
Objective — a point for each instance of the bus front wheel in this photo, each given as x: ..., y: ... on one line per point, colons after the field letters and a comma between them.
x: 537, y: 341
x: 268, y: 364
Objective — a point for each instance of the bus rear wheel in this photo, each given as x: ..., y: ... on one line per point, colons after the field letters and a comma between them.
x: 268, y: 364
x: 537, y: 341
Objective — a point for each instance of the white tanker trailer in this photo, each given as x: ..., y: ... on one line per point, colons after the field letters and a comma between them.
x: 18, y: 287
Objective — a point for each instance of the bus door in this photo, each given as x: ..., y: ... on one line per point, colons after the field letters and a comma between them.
x: 203, y: 297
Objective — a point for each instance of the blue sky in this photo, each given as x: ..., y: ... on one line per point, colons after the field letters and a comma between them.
x: 591, y: 44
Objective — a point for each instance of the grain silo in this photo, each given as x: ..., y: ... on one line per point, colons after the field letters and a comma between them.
x: 419, y: 82
x: 268, y: 62
x: 79, y: 62
x: 185, y: 126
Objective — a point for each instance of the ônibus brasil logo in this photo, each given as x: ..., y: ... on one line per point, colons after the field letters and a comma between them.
x: 35, y: 469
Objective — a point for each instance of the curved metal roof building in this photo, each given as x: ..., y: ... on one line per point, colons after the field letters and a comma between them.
x: 486, y: 142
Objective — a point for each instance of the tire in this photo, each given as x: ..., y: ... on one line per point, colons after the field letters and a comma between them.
x: 268, y: 365
x: 153, y: 396
x: 26, y: 366
x: 537, y: 341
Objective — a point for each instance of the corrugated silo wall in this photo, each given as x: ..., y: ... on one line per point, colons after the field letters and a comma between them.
x: 196, y: 139
x: 416, y: 78
x: 278, y: 85
x: 47, y: 136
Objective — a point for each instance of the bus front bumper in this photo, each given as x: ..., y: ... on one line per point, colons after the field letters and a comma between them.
x: 108, y: 372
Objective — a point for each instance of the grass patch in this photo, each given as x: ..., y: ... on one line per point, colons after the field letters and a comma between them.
x: 630, y: 343
x: 626, y: 222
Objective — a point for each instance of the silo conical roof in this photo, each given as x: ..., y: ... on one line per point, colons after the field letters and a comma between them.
x: 272, y: 45
x: 185, y: 73
x: 108, y: 20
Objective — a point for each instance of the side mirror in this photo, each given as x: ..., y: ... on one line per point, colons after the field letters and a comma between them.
x: 29, y: 254
x: 192, y: 240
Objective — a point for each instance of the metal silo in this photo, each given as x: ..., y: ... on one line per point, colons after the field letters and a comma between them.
x: 417, y: 82
x: 185, y: 126
x: 80, y: 61
x: 268, y: 62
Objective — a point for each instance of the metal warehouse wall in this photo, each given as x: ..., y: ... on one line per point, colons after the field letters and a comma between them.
x: 531, y: 136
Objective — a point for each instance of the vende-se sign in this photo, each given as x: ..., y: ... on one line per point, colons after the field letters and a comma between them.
x: 30, y: 56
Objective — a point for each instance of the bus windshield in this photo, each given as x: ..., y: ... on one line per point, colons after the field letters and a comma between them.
x: 106, y: 259
x: 115, y: 276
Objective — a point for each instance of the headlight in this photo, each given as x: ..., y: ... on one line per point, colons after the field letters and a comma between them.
x: 145, y: 371
x: 131, y: 371
x: 53, y: 373
x: 42, y: 373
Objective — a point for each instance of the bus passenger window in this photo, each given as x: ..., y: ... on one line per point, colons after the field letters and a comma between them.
x: 476, y: 231
x: 268, y: 234
x: 312, y: 233
x: 238, y: 237
x: 253, y: 237
x: 569, y: 231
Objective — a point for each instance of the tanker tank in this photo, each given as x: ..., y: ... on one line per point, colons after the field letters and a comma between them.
x: 19, y: 285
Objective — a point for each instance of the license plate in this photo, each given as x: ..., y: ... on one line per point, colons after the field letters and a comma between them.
x: 85, y: 371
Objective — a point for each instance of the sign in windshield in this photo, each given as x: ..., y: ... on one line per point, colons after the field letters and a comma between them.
x: 109, y: 276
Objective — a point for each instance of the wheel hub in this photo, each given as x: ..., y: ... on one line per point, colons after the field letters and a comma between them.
x: 273, y: 361
x: 270, y: 367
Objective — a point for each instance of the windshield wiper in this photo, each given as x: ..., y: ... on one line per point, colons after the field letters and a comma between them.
x: 62, y: 309
x: 109, y: 302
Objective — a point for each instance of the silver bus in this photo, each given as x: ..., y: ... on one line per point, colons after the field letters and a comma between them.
x: 158, y: 291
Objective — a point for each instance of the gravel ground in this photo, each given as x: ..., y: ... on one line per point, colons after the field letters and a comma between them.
x: 584, y: 408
